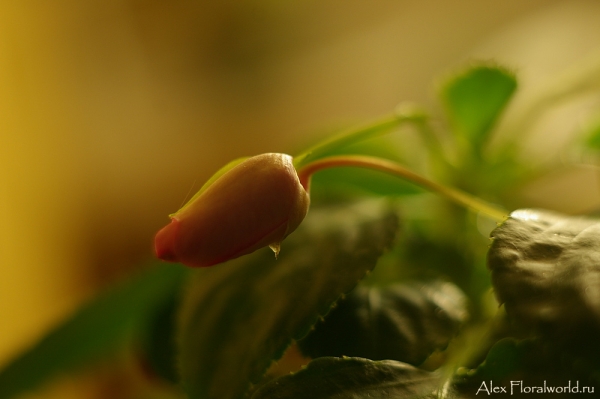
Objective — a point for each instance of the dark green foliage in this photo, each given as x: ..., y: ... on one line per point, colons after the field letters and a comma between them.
x: 531, y: 362
x: 240, y: 316
x: 546, y: 271
x: 356, y: 378
x: 158, y: 343
x: 404, y: 322
x: 503, y: 359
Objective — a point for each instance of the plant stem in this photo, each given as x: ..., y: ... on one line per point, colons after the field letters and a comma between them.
x: 377, y: 128
x: 459, y: 197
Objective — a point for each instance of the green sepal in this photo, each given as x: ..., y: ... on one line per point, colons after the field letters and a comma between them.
x: 211, y: 180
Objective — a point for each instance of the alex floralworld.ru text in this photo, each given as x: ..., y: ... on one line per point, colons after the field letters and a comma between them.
x: 518, y: 387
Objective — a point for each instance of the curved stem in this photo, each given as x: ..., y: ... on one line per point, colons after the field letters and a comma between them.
x: 393, y: 168
x: 378, y: 127
x: 404, y: 113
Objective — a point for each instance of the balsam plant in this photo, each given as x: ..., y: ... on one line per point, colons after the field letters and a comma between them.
x: 423, y: 323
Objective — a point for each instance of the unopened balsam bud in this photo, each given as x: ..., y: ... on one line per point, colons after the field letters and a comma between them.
x: 255, y: 204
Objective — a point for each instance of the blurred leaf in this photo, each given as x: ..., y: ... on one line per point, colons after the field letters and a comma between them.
x: 546, y: 270
x: 475, y: 99
x: 592, y: 136
x: 240, y: 316
x: 356, y: 378
x: 405, y: 322
x: 503, y: 359
x: 98, y: 328
x: 158, y: 339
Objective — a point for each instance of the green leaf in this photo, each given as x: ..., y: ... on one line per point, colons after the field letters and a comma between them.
x: 546, y: 270
x: 405, y: 322
x: 240, y: 316
x: 93, y: 332
x: 158, y: 339
x: 356, y: 378
x: 503, y: 359
x: 474, y: 100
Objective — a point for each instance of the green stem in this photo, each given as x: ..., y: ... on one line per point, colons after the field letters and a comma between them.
x: 459, y: 197
x: 350, y: 136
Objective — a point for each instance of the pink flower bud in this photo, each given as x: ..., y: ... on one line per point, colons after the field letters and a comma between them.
x: 256, y: 203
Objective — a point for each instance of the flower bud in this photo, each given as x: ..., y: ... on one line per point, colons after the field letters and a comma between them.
x: 256, y: 203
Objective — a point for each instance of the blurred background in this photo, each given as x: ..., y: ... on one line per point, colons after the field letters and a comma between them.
x: 112, y: 112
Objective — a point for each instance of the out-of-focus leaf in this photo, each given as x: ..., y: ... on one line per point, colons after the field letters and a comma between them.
x: 94, y: 331
x: 546, y: 270
x: 592, y: 136
x: 502, y: 360
x: 474, y: 99
x: 355, y: 378
x: 240, y: 316
x: 158, y: 339
x: 405, y: 322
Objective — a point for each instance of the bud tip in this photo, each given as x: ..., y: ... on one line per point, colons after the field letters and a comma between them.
x: 164, y: 242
